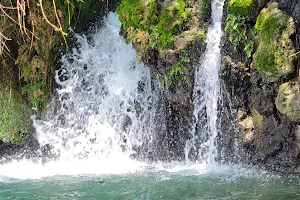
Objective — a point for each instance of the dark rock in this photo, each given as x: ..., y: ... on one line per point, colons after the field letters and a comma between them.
x: 28, y: 150
x: 263, y: 95
x: 274, y: 142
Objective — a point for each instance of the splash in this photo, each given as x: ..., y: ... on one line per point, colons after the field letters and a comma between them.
x: 101, y: 113
x: 104, y: 99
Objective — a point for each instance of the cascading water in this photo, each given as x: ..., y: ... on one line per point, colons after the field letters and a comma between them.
x: 206, y: 92
x: 102, y: 111
x: 104, y: 98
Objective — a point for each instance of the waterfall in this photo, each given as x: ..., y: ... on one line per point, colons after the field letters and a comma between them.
x: 106, y: 111
x: 206, y: 93
x: 104, y: 100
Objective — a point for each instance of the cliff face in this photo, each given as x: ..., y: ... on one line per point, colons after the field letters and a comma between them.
x: 260, y: 71
x: 169, y: 36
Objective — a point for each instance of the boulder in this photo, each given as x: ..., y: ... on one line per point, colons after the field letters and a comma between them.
x: 246, y: 126
x: 275, y: 52
x: 288, y: 100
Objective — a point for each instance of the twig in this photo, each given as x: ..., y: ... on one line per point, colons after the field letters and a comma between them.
x: 294, y: 54
x: 59, y: 29
x: 8, y: 16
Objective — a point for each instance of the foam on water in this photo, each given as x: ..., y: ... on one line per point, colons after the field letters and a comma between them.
x: 27, y: 169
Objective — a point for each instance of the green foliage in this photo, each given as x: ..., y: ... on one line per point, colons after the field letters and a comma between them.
x: 35, y: 88
x: 171, y: 21
x: 161, y: 27
x: 275, y: 51
x: 180, y: 72
x: 178, y: 75
x: 241, y: 7
x: 240, y: 33
x: 36, y: 93
x: 131, y: 13
x: 152, y: 15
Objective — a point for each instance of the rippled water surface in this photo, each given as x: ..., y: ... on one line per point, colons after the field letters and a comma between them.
x: 196, y: 182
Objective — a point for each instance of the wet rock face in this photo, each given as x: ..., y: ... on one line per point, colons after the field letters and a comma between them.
x: 169, y: 36
x: 28, y: 150
x: 288, y: 100
x: 91, y: 11
x: 275, y: 148
x: 262, y: 95
x: 267, y: 102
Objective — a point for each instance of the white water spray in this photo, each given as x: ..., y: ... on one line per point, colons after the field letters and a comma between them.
x: 104, y: 97
x: 102, y: 110
x: 104, y: 106
x: 206, y: 92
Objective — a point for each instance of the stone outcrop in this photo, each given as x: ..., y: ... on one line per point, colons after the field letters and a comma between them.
x: 264, y: 85
x: 288, y: 100
x: 274, y: 55
x: 169, y: 36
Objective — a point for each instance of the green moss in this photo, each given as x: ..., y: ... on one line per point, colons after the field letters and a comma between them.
x: 14, y: 116
x: 241, y: 7
x: 265, y: 59
x: 273, y: 56
x: 15, y: 112
x: 271, y: 23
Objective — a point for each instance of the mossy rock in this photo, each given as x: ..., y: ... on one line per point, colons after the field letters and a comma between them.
x: 274, y: 55
x: 167, y: 27
x: 164, y: 32
x: 245, y: 8
x: 15, y: 122
x: 288, y: 100
x: 241, y: 7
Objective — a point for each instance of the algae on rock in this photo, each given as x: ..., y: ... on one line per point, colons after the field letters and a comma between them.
x: 15, y: 121
x: 274, y: 55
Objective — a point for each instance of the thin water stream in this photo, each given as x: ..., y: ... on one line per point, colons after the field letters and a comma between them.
x: 207, y: 92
